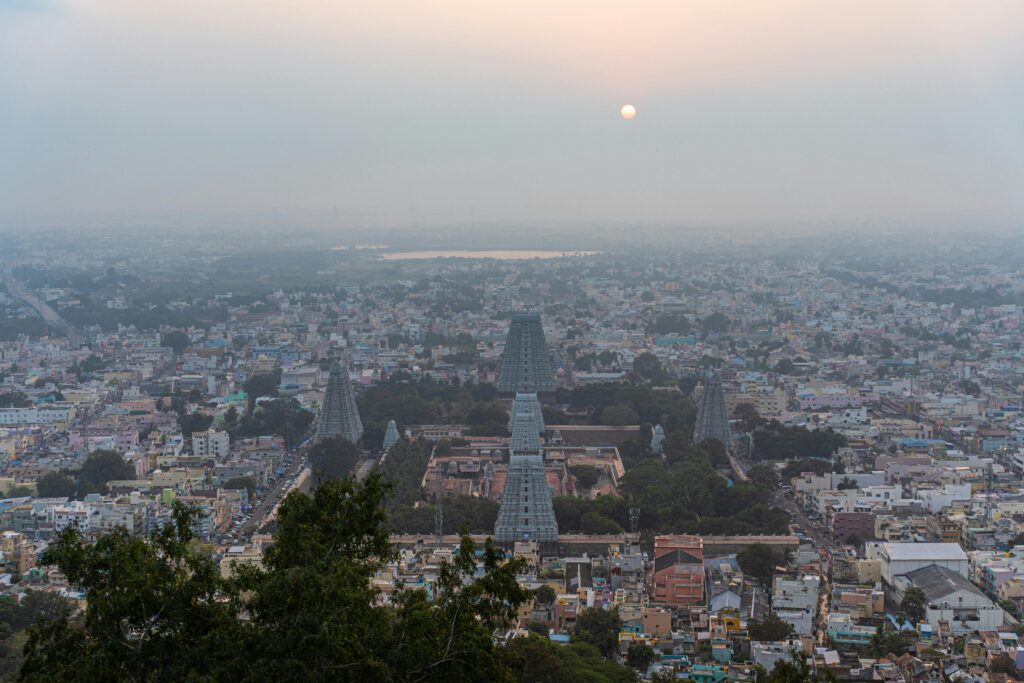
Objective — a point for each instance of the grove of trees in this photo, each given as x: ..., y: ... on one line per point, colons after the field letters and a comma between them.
x: 159, y: 611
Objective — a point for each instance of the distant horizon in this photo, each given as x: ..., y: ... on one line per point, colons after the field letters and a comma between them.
x: 318, y: 114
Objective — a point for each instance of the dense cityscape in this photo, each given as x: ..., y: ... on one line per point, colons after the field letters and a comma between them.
x: 714, y: 462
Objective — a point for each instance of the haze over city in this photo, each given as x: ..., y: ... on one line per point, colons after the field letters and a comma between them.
x: 527, y: 342
x: 341, y: 114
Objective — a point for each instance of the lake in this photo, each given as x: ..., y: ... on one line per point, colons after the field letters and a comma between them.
x: 501, y: 254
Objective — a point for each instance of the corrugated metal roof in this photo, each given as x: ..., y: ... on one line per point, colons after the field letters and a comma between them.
x: 924, y: 551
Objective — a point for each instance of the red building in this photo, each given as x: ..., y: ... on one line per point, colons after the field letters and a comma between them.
x: 678, y: 570
x: 856, y: 524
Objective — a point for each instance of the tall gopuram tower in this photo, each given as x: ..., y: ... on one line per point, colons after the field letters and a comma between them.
x: 712, y: 414
x: 526, y: 512
x: 525, y: 364
x: 339, y: 415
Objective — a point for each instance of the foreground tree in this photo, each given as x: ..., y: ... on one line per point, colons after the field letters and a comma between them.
x: 600, y: 628
x: 158, y: 612
x: 639, y: 656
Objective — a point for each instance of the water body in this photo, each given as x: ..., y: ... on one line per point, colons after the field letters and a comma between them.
x: 501, y: 254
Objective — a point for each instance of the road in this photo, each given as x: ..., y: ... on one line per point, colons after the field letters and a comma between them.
x: 737, y: 468
x: 820, y: 539
x: 268, y: 503
x: 266, y: 508
x: 826, y: 548
x: 364, y: 468
x: 49, y: 316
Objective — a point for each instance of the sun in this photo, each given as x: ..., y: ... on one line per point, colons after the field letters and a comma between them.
x: 628, y: 112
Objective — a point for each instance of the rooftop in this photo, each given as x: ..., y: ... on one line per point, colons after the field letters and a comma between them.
x: 924, y: 551
x: 938, y: 582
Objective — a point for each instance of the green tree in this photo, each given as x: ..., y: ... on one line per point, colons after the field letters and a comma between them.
x: 487, y: 419
x: 190, y: 423
x: 177, y: 341
x: 618, y: 415
x: 155, y: 611
x: 14, y: 399
x: 785, y: 367
x: 884, y: 643
x: 545, y: 595
x: 333, y: 459
x: 600, y: 628
x: 317, y: 575
x: 100, y: 467
x: 537, y: 659
x: 647, y: 366
x: 716, y: 323
x: 538, y: 627
x: 764, y: 476
x: 282, y: 416
x: 640, y: 656
x: 55, y: 485
x: 770, y: 629
x: 747, y: 414
x: 797, y: 670
x: 586, y: 475
x: 261, y: 385
x: 159, y: 612
x: 19, y: 491
x: 594, y: 522
x: 1003, y: 664
x: 914, y: 604
x: 759, y: 560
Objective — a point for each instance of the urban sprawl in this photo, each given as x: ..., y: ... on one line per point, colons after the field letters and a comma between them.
x: 709, y: 463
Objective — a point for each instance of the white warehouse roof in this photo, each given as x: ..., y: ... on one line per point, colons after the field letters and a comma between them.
x: 924, y: 551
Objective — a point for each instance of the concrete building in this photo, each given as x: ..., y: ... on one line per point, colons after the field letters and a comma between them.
x: 678, y: 575
x: 55, y: 413
x: 899, y: 559
x: 211, y: 443
x: 856, y: 524
x: 954, y: 599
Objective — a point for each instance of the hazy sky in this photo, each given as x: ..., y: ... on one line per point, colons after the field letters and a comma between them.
x: 393, y: 110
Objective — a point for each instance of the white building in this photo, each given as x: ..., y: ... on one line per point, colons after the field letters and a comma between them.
x: 801, y: 593
x: 40, y: 415
x: 937, y: 500
x: 211, y: 443
x: 899, y: 559
x: 802, y: 620
x: 954, y: 599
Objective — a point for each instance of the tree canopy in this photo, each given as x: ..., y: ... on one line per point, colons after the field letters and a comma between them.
x: 770, y: 629
x: 159, y: 611
x: 914, y: 604
x: 759, y: 560
x: 177, y: 341
x: 600, y: 628
x: 333, y: 459
x: 775, y: 441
